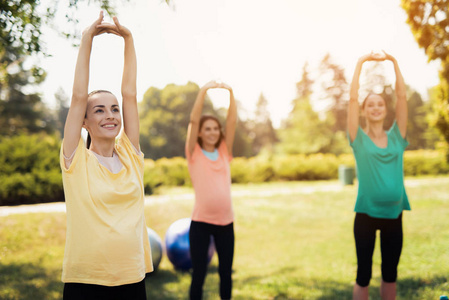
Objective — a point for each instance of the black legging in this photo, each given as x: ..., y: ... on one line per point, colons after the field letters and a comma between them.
x: 199, y: 244
x: 83, y: 291
x: 365, y: 228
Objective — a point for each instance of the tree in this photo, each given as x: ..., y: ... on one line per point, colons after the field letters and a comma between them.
x: 62, y: 109
x: 30, y: 170
x: 434, y: 137
x: 303, y: 131
x: 335, y: 87
x: 22, y: 112
x: 243, y: 132
x: 20, y: 31
x: 165, y: 115
x: 376, y: 82
x: 417, y: 124
x: 262, y: 131
x: 429, y: 23
x: 21, y: 23
x: 242, y: 141
x: 304, y: 86
x: 20, y: 35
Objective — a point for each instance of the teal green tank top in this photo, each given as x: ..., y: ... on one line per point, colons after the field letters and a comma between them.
x: 380, y: 173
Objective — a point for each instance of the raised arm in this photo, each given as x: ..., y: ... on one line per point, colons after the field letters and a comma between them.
x: 78, y: 105
x: 195, y: 116
x: 129, y: 78
x: 354, y: 107
x: 401, y: 97
x: 231, y: 119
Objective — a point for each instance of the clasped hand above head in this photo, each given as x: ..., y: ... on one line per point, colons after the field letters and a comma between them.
x: 100, y: 27
x: 373, y: 56
x: 216, y: 85
x: 115, y: 28
x: 93, y: 30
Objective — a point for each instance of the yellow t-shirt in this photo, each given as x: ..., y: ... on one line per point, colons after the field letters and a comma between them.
x: 106, y: 240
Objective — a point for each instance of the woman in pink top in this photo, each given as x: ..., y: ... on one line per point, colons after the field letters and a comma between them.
x: 209, y: 153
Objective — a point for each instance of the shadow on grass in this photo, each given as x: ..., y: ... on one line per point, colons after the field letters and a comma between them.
x: 414, y: 288
x: 173, y: 284
x: 334, y: 290
x: 408, y: 288
x: 283, y: 287
x: 288, y: 288
x: 157, y: 284
x: 29, y: 282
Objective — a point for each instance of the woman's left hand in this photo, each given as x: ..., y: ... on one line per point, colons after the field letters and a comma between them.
x: 388, y: 56
x: 115, y: 28
x: 224, y: 86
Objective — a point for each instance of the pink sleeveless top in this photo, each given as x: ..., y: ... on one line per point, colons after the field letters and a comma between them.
x: 212, y: 184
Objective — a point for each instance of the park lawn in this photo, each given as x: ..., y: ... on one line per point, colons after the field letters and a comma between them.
x: 293, y: 241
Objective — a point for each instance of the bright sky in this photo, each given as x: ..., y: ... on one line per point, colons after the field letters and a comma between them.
x: 256, y: 46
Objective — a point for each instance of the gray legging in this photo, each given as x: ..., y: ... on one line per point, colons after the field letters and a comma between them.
x: 199, y: 236
x: 365, y: 228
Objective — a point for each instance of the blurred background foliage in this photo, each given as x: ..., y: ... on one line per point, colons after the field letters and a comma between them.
x: 308, y: 144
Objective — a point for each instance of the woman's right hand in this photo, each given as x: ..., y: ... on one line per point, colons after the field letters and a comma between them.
x: 373, y: 57
x: 93, y: 30
x: 210, y: 85
x: 115, y: 28
x: 216, y: 85
x: 224, y: 86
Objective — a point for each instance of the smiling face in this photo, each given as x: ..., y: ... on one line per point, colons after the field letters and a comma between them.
x: 374, y: 108
x: 210, y: 133
x: 103, y: 119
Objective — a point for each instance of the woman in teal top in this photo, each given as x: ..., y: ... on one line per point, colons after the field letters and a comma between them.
x: 381, y: 195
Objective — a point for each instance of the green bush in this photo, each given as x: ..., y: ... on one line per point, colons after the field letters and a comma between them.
x: 347, y: 160
x: 253, y: 169
x: 425, y: 162
x: 262, y: 169
x: 240, y: 170
x: 30, y: 171
x: 174, y: 172
x: 306, y: 167
x: 164, y: 171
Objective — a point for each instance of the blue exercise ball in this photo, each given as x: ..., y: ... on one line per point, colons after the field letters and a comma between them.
x: 177, y: 245
x: 156, y: 247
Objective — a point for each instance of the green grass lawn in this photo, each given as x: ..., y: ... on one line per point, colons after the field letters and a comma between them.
x: 293, y: 241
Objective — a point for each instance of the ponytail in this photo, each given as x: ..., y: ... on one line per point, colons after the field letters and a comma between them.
x: 89, y: 140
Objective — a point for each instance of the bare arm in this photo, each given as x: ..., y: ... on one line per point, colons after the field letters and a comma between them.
x: 129, y: 78
x: 77, y: 110
x: 353, y: 107
x: 401, y: 98
x: 195, y: 116
x: 231, y: 119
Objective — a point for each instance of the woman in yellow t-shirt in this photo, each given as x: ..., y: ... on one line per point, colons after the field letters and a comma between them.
x: 107, y: 252
x: 209, y: 153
